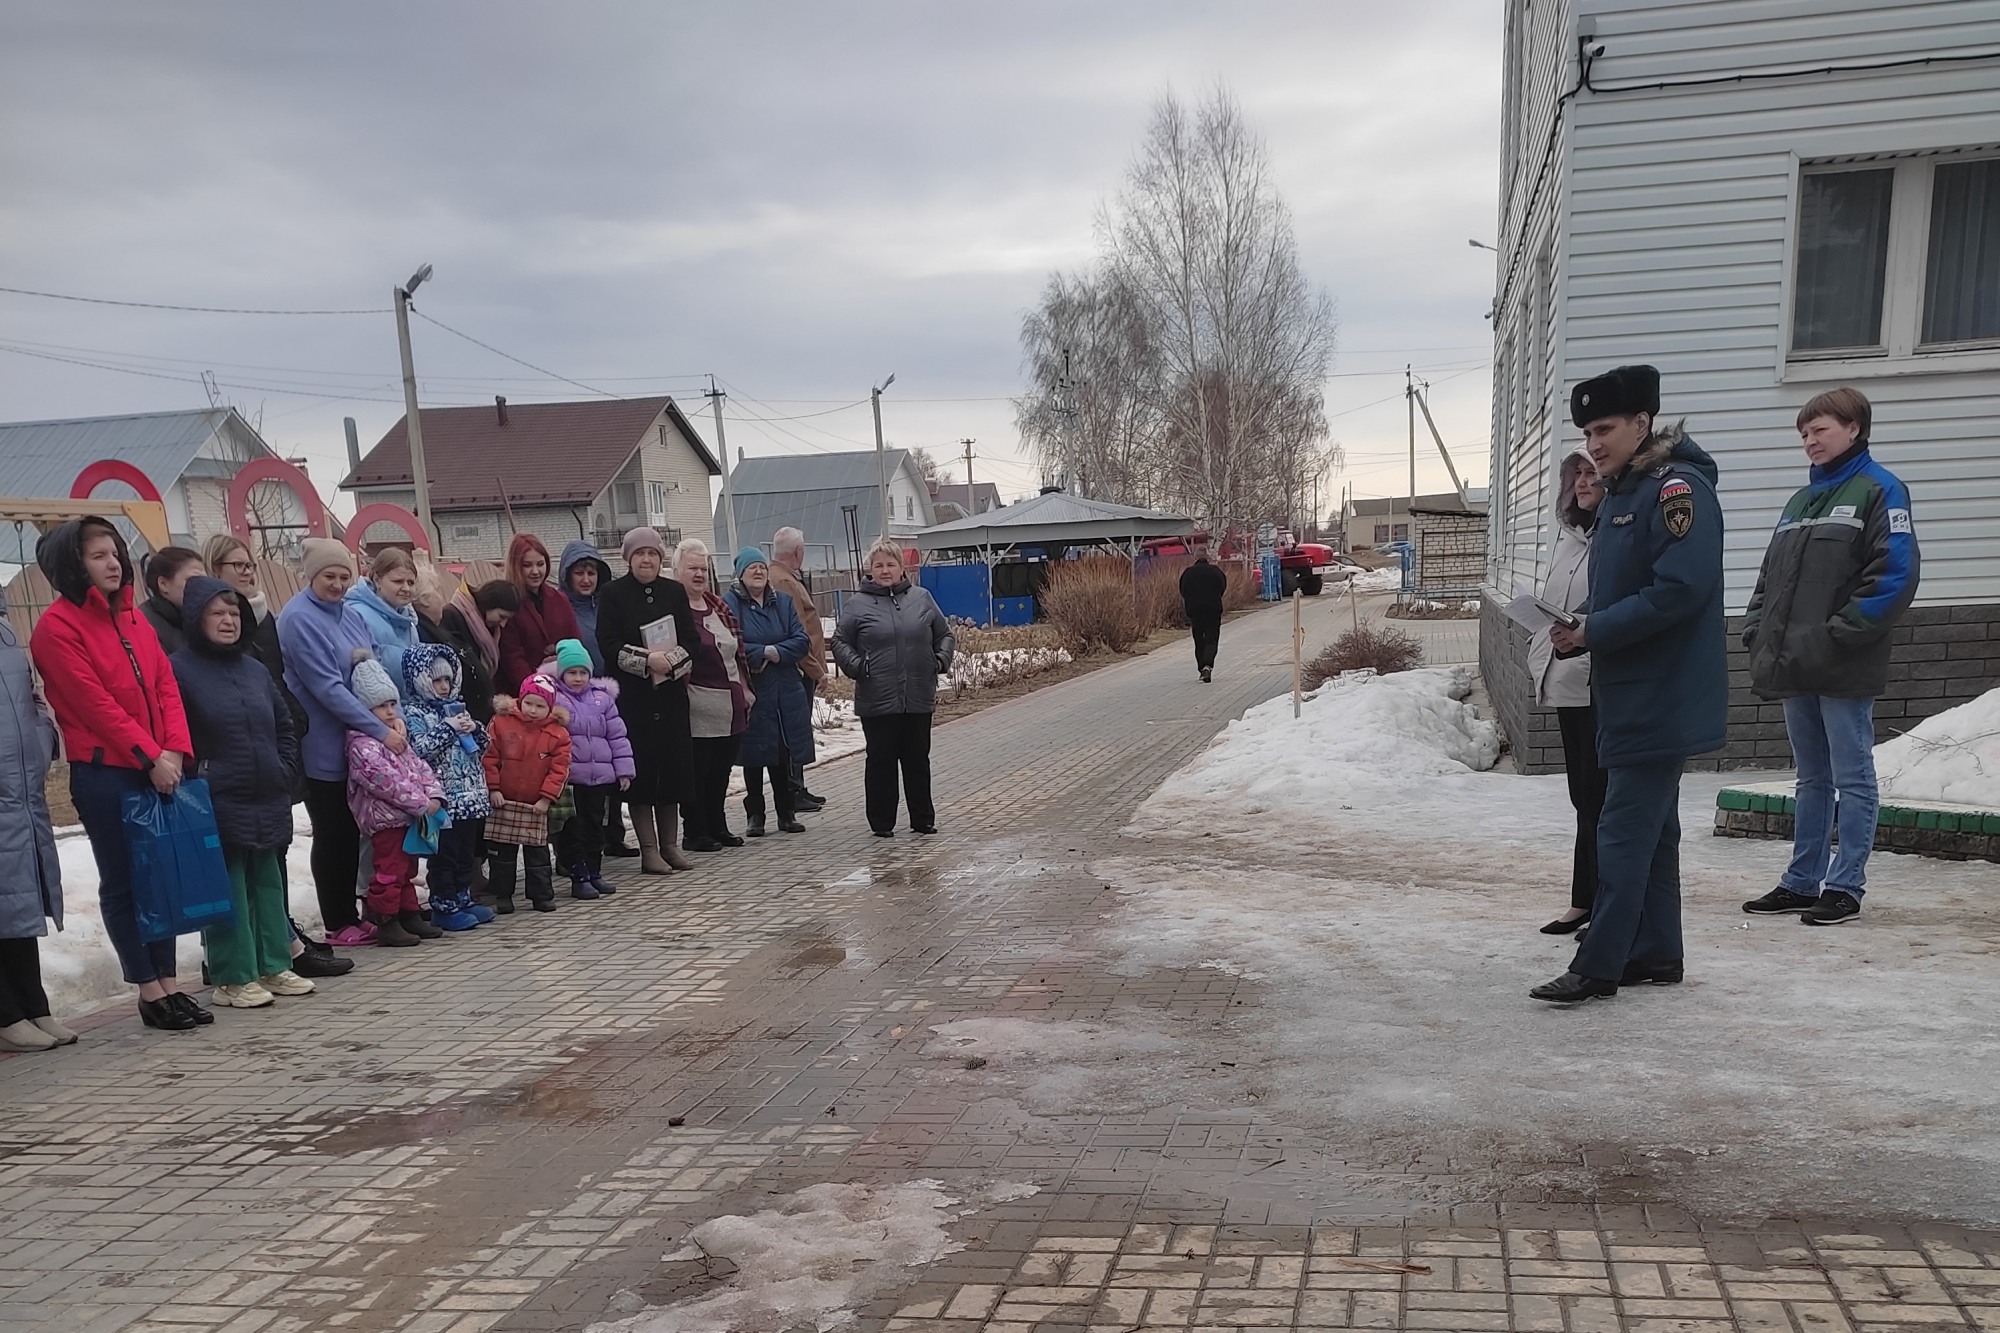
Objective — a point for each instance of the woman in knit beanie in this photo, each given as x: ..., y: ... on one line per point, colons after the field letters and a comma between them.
x: 644, y: 624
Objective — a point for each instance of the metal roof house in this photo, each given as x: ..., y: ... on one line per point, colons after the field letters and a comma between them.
x: 1765, y: 201
x: 190, y: 457
x: 1053, y: 517
x: 810, y: 492
x: 589, y: 471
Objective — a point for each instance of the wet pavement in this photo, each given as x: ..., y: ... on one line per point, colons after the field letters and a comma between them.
x: 514, y: 1129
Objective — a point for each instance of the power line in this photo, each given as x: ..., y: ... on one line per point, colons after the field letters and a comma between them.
x: 191, y: 309
x: 539, y: 370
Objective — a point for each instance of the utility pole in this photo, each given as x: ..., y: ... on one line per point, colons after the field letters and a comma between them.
x: 1066, y: 409
x: 1410, y: 393
x: 969, y: 494
x: 881, y: 454
x: 413, y: 428
x: 733, y: 541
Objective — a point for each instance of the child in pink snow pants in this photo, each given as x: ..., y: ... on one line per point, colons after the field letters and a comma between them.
x: 387, y: 792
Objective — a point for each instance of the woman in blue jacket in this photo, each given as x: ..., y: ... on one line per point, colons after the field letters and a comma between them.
x: 780, y: 733
x: 245, y: 747
x: 386, y: 600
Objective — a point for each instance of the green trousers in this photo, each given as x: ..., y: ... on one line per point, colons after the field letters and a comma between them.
x: 259, y: 943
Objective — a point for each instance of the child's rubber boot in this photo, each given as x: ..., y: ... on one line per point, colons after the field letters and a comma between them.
x: 413, y: 923
x: 446, y: 914
x: 593, y: 871
x: 580, y: 886
x: 481, y: 913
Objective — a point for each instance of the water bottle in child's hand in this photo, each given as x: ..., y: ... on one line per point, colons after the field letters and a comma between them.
x: 456, y: 716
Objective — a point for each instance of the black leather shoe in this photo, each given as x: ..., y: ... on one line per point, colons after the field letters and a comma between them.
x: 700, y: 845
x: 1565, y: 927
x: 885, y: 833
x: 809, y: 804
x: 730, y: 840
x: 313, y: 963
x: 1654, y: 974
x: 754, y: 829
x: 1570, y: 988
x: 186, y: 1004
x: 788, y: 824
x: 164, y: 1014
x: 619, y: 849
x: 923, y: 828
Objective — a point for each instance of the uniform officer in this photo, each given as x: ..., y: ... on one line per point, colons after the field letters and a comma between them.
x: 1658, y: 678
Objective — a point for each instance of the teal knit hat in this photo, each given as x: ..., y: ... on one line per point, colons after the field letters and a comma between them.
x: 749, y: 556
x: 571, y: 653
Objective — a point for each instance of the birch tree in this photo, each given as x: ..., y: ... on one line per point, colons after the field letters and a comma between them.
x: 1198, y: 348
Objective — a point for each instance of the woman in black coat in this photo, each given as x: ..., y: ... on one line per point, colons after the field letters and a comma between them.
x: 245, y: 747
x: 652, y: 694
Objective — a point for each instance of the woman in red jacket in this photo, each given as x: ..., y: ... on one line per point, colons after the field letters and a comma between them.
x: 544, y: 618
x: 123, y: 730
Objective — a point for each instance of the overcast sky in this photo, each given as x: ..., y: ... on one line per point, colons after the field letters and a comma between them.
x: 799, y: 198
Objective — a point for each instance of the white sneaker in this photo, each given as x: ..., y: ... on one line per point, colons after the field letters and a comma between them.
x: 288, y: 982
x: 249, y: 995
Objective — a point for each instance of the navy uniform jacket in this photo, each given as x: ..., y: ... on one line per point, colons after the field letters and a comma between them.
x: 1659, y: 677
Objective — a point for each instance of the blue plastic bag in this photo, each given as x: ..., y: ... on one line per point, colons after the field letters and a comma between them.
x: 179, y: 882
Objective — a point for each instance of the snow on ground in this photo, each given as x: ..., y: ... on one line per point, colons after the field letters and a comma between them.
x: 809, y: 1262
x: 1387, y: 579
x: 1953, y: 757
x: 971, y: 670
x: 1389, y: 896
x: 1064, y: 1068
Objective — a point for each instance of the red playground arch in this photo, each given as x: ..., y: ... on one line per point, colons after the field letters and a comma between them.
x: 369, y: 515
x: 237, y: 508
x: 112, y: 469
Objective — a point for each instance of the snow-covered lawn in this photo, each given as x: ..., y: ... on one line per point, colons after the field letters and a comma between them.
x: 1363, y: 867
x: 972, y: 670
x: 1952, y: 757
x: 1387, y: 579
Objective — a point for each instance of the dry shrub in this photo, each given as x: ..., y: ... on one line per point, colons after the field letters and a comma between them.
x: 1242, y: 590
x: 1159, y: 592
x: 1381, y: 648
x: 972, y: 638
x: 1092, y: 604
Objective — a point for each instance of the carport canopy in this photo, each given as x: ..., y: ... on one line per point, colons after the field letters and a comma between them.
x: 1053, y: 516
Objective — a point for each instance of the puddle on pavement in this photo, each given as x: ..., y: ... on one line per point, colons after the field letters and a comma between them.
x: 546, y: 1099
x: 817, y: 953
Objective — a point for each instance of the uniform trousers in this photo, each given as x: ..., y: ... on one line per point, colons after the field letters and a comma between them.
x: 1637, y: 916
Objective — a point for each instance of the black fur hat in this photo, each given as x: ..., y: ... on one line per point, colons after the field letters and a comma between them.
x: 1619, y: 392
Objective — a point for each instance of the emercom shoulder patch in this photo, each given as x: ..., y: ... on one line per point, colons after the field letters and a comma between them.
x: 1677, y: 507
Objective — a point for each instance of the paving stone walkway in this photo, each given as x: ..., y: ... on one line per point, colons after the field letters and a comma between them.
x: 511, y: 1129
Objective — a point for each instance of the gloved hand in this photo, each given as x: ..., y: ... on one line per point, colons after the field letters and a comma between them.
x: 770, y: 652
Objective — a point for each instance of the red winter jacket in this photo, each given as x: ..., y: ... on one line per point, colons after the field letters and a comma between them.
x: 109, y: 683
x: 543, y: 620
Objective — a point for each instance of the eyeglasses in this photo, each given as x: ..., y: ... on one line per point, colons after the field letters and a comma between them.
x: 237, y: 566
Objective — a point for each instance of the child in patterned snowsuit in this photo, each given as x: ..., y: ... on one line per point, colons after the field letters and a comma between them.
x: 450, y: 741
x: 386, y: 792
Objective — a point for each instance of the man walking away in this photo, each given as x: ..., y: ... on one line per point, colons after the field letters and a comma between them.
x: 1653, y: 628
x: 788, y: 576
x: 1202, y: 587
x: 1840, y: 572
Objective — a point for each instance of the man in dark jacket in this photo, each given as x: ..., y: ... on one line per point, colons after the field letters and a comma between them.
x: 1202, y: 589
x: 1840, y: 572
x: 1658, y: 677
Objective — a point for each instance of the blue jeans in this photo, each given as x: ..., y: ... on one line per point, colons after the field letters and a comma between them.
x: 98, y: 793
x: 1637, y: 915
x: 1833, y: 743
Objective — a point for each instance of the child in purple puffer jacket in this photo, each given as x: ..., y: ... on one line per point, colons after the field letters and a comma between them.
x: 600, y: 763
x: 387, y: 791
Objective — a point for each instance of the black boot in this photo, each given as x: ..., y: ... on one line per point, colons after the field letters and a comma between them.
x: 1570, y: 988
x: 789, y: 823
x: 1657, y: 974
x: 755, y: 828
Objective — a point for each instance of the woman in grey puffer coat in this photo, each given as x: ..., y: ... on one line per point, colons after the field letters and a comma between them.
x: 894, y: 643
x: 30, y: 875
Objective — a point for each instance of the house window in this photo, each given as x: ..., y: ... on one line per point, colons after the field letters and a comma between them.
x: 1843, y: 259
x: 465, y: 530
x: 1381, y: 533
x: 1401, y: 532
x: 1894, y: 259
x: 909, y: 506
x: 625, y: 497
x: 1962, y: 284
x: 656, y: 497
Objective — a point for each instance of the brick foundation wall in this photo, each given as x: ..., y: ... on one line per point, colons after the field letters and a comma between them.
x: 1945, y: 656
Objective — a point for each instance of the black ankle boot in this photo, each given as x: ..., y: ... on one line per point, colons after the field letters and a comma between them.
x: 165, y: 1015
x: 1571, y: 988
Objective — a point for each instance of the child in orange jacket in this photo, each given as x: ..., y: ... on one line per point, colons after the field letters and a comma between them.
x: 527, y: 763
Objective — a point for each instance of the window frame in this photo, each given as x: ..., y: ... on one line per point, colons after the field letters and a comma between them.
x: 1904, y: 279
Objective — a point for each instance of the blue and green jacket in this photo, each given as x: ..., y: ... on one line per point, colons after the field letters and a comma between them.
x: 1840, y: 571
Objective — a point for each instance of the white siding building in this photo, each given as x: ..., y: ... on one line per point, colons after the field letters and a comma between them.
x: 1765, y: 199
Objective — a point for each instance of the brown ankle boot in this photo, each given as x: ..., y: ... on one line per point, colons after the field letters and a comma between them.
x: 650, y: 861
x: 670, y: 837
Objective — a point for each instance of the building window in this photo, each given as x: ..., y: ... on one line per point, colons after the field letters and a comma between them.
x: 1962, y: 284
x: 1896, y: 258
x: 909, y: 506
x: 656, y: 496
x: 464, y: 530
x: 1843, y: 259
x: 1381, y: 533
x: 1402, y: 532
x: 625, y: 497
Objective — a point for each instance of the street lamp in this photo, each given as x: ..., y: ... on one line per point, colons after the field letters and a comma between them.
x: 413, y: 428
x: 1481, y: 245
x: 881, y: 454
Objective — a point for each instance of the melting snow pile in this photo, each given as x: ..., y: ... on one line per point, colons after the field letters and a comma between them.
x: 808, y: 1263
x: 1386, y: 579
x: 1953, y: 757
x: 1359, y: 735
x: 973, y: 670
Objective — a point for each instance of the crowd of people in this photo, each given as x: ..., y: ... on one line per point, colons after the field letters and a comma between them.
x: 487, y: 738
x: 1634, y: 663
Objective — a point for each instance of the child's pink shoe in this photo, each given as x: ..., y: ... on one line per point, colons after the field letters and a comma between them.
x: 353, y: 937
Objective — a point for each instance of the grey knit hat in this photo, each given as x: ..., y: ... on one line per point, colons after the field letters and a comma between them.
x: 370, y: 681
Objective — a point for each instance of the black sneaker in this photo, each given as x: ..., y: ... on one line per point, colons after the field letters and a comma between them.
x: 1207, y: 674
x: 1779, y: 900
x: 808, y: 803
x: 1571, y: 988
x: 1832, y: 908
x: 313, y: 963
x: 1654, y: 974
